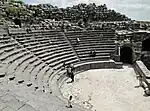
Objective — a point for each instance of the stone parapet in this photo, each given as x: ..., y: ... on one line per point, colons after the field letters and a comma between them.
x: 96, y: 65
x: 143, y: 72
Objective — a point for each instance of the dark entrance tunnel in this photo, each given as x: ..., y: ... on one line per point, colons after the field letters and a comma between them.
x: 126, y: 55
x: 146, y: 45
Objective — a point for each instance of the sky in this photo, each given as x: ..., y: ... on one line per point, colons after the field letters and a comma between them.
x: 134, y: 9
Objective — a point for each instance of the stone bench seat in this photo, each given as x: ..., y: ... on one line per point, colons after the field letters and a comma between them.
x: 40, y: 66
x: 51, y: 47
x: 93, y: 39
x: 41, y: 74
x: 42, y: 39
x: 50, y: 37
x: 23, y: 64
x: 42, y: 52
x: 37, y: 46
x: 74, y: 36
x: 73, y: 61
x: 33, y: 41
x: 91, y: 42
x: 47, y: 75
x: 98, y: 58
x: 25, y: 38
x: 19, y: 56
x: 26, y: 68
x: 48, y: 49
x: 9, y: 49
x: 97, y: 37
x: 36, y: 69
x: 33, y: 61
x: 96, y: 43
x: 28, y: 41
x: 61, y: 60
x: 98, y: 49
x: 67, y: 61
x: 88, y: 32
x: 14, y: 65
x: 91, y: 36
x: 49, y: 53
x: 58, y: 42
x: 5, y: 38
x: 58, y: 56
x: 97, y: 54
x: 8, y: 45
x: 99, y: 34
x: 19, y: 75
x: 13, y: 53
x: 94, y: 47
x: 44, y: 42
x: 28, y: 58
x: 6, y: 41
x: 31, y: 44
x: 55, y: 52
x: 27, y: 34
x: 28, y: 73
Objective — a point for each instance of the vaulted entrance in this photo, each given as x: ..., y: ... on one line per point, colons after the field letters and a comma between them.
x: 146, y: 45
x: 126, y: 55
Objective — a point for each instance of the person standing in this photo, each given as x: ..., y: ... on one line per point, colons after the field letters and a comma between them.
x: 69, y: 105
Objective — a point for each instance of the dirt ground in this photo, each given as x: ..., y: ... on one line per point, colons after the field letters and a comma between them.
x: 107, y: 90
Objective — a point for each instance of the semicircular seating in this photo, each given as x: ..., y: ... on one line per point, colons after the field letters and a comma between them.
x: 30, y: 62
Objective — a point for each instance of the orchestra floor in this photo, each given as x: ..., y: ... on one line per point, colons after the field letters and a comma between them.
x: 107, y: 90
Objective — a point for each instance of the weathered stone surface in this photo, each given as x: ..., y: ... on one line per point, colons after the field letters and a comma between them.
x: 27, y: 108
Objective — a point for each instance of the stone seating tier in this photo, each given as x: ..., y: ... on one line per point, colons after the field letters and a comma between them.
x: 92, y: 40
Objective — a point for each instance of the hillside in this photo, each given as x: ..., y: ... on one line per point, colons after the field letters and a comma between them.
x: 10, y: 9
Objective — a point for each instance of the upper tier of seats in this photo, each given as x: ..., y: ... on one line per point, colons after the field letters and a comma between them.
x: 101, y: 41
x: 50, y: 46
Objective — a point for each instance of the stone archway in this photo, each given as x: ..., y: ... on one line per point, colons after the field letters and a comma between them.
x: 126, y: 55
x: 146, y: 45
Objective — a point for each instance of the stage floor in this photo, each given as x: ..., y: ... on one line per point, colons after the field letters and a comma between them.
x: 107, y: 90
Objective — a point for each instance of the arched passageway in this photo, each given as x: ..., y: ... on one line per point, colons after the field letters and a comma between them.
x: 146, y: 45
x: 126, y: 55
